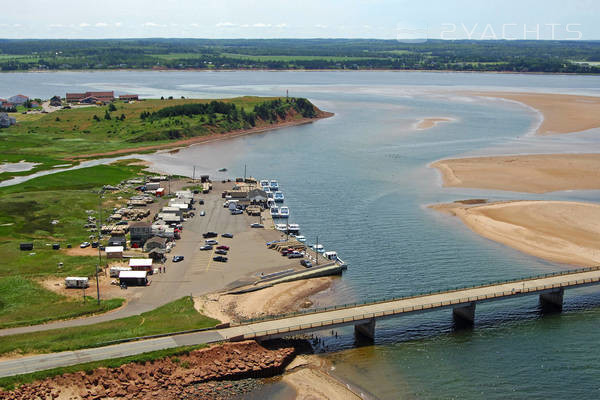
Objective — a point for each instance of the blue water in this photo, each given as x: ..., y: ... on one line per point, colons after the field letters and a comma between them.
x: 360, y: 181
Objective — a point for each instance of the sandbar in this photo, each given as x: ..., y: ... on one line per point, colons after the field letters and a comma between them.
x: 431, y: 122
x: 539, y: 173
x: 562, y: 113
x: 559, y: 231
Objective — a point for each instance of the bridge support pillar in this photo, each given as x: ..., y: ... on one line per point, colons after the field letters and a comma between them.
x: 552, y: 301
x: 366, y: 330
x: 464, y: 315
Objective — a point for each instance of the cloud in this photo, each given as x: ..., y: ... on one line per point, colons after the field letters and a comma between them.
x: 84, y: 25
x: 225, y: 25
x: 195, y: 25
x: 261, y: 25
x: 17, y: 25
x: 153, y: 25
x: 320, y: 26
x: 281, y: 26
x: 101, y: 24
x: 118, y: 24
x: 56, y: 26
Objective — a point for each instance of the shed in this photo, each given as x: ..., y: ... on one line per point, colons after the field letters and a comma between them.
x: 134, y: 278
x: 152, y: 185
x: 141, y: 264
x: 118, y: 241
x: 157, y: 255
x: 257, y: 196
x: 116, y: 270
x: 114, y: 252
x: 26, y: 246
x: 155, y: 243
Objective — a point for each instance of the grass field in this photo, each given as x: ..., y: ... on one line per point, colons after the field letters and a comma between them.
x: 26, y: 214
x: 50, y: 138
x: 291, y: 59
x: 179, y: 315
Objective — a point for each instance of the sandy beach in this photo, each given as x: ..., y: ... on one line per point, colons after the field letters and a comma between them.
x: 428, y: 123
x: 528, y: 173
x: 281, y: 298
x: 559, y: 231
x: 562, y: 113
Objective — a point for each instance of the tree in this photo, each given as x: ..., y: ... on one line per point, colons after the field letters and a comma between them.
x: 122, y: 117
x: 107, y: 115
x: 111, y: 107
x: 95, y: 118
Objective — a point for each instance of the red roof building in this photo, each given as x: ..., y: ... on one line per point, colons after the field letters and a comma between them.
x: 105, y: 97
x: 129, y: 97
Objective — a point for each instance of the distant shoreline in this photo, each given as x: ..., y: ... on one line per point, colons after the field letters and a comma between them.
x: 298, y: 70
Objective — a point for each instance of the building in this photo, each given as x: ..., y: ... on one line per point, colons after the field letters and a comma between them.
x: 139, y: 233
x: 141, y: 264
x: 18, y: 100
x: 257, y: 196
x: 90, y: 100
x: 6, y: 121
x: 133, y: 278
x: 114, y: 252
x: 55, y: 101
x: 104, y: 97
x: 157, y: 255
x: 155, y: 243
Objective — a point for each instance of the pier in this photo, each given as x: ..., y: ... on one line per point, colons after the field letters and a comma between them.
x: 463, y: 301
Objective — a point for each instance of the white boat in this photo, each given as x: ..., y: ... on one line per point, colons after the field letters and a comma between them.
x: 270, y: 203
x: 284, y: 212
x: 274, y: 185
x: 293, y: 229
x: 275, y: 213
x: 264, y: 183
x: 270, y: 195
x: 318, y: 248
x: 281, y: 227
x: 301, y: 238
x: 278, y: 196
x: 267, y: 190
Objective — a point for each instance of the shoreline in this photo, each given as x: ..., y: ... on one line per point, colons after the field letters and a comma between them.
x: 558, y: 231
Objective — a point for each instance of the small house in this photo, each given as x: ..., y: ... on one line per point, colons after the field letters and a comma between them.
x: 116, y: 270
x: 118, y: 241
x: 18, y: 100
x: 141, y: 264
x: 133, y: 278
x: 114, y: 252
x: 152, y: 185
x: 26, y: 246
x: 157, y: 255
x: 129, y: 97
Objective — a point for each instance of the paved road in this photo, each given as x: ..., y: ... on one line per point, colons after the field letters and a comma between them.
x: 197, y: 274
x: 310, y: 322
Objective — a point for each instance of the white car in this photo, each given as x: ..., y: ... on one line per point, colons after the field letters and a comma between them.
x: 84, y: 245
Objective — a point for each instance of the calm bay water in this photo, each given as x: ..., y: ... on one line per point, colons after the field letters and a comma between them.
x: 361, y: 182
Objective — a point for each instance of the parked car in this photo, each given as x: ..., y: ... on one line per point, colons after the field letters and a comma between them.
x: 306, y: 263
x: 236, y: 212
x: 206, y: 247
x: 220, y: 259
x: 177, y: 259
x: 202, y: 213
x: 122, y: 223
x: 256, y: 225
x: 210, y: 235
x: 84, y: 245
x: 286, y: 252
x: 212, y: 242
x: 223, y: 247
x: 295, y: 254
x: 95, y: 245
x: 227, y: 235
x: 200, y: 201
x: 222, y: 252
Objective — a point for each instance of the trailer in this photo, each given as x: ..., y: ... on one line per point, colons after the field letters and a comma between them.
x: 133, y: 278
x: 75, y: 282
x: 115, y: 271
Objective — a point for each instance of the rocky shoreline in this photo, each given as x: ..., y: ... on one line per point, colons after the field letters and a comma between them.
x: 200, y: 374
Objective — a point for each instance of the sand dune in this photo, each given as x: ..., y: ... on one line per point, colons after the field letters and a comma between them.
x: 528, y: 173
x: 562, y: 113
x: 428, y: 123
x: 565, y: 232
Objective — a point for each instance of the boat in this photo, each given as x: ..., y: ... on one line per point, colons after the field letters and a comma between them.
x: 270, y: 195
x: 267, y: 190
x: 284, y: 212
x: 318, y: 248
x: 301, y: 238
x: 274, y: 185
x: 281, y: 227
x: 264, y: 183
x: 293, y: 229
x: 275, y: 213
x: 278, y: 196
x: 270, y: 203
x: 222, y: 170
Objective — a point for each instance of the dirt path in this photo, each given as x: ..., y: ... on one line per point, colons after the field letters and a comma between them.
x: 204, y: 139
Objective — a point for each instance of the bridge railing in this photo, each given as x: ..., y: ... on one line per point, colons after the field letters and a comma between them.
x: 403, y: 310
x: 412, y: 296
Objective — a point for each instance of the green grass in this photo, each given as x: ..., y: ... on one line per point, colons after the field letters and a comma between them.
x: 26, y: 214
x: 11, y: 382
x: 291, y: 59
x: 49, y: 141
x: 179, y: 315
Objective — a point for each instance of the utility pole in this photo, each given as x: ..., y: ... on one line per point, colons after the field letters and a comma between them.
x: 169, y: 184
x: 244, y: 172
x: 99, y: 228
x: 194, y: 174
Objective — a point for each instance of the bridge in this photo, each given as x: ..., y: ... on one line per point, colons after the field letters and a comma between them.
x: 462, y: 301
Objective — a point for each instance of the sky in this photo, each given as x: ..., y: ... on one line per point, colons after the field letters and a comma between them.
x: 383, y: 19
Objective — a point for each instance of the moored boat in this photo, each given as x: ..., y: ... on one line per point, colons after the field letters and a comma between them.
x: 278, y: 197
x: 284, y: 212
x: 274, y: 185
